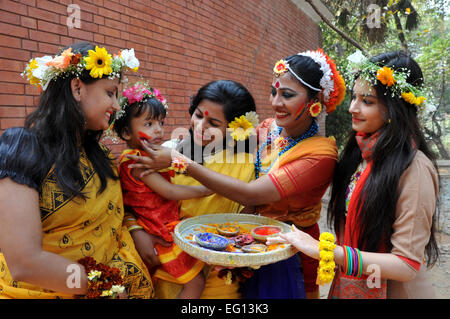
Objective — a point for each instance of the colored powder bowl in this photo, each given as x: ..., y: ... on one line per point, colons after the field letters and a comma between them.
x: 226, y: 230
x: 261, y: 233
x: 254, y: 248
x: 211, y: 241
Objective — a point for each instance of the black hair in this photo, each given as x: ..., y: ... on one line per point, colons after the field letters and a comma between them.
x: 392, y: 155
x: 235, y: 99
x: 59, y: 123
x: 152, y: 106
x: 308, y: 70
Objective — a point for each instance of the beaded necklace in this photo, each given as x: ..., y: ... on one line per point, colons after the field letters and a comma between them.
x: 292, y: 142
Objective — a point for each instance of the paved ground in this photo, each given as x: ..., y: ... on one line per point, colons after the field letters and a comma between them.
x: 440, y: 273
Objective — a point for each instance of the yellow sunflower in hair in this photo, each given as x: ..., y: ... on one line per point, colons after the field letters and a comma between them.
x: 240, y: 128
x: 99, y: 62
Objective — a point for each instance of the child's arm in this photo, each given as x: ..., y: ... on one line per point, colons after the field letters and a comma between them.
x: 170, y: 191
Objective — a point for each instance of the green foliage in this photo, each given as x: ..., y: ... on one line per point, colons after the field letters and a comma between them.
x: 420, y: 27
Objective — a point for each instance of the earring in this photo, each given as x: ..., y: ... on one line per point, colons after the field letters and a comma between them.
x: 315, y: 109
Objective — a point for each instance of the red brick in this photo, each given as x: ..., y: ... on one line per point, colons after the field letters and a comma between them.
x: 20, y: 100
x: 43, y: 14
x: 8, y: 111
x: 14, y: 54
x: 12, y: 88
x: 28, y: 22
x: 52, y: 7
x: 44, y: 37
x: 6, y: 123
x: 14, y: 7
x: 52, y: 27
x: 8, y: 17
x: 13, y: 30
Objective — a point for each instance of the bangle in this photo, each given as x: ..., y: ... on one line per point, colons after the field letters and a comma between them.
x: 179, y: 165
x: 134, y: 227
x: 103, y: 281
x: 325, y: 272
x: 353, y: 263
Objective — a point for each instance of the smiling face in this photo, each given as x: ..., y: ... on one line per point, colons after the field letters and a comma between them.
x: 208, y: 123
x: 143, y: 126
x: 98, y: 101
x: 368, y: 112
x: 289, y: 100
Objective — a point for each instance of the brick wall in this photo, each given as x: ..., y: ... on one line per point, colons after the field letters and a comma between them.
x: 181, y: 44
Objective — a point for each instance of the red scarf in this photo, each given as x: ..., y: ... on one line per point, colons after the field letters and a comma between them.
x: 348, y: 287
x: 366, y: 143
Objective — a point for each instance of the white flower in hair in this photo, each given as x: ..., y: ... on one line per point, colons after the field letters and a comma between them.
x: 326, y: 82
x: 356, y: 60
x: 253, y: 118
x: 130, y: 59
x: 39, y: 72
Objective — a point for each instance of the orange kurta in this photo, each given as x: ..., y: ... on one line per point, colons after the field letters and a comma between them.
x: 301, y: 176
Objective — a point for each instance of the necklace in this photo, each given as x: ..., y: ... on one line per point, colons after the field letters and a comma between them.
x: 292, y: 142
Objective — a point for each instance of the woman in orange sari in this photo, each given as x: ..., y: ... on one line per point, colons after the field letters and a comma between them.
x: 294, y: 166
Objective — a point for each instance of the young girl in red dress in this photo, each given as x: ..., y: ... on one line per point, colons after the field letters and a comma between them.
x: 153, y: 198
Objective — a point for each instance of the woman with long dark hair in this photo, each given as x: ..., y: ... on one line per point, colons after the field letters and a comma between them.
x: 385, y: 187
x: 62, y: 208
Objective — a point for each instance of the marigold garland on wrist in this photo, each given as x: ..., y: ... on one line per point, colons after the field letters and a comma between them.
x: 179, y: 165
x: 103, y: 281
x: 325, y: 272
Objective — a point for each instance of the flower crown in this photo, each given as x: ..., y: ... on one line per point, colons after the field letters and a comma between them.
x: 139, y: 92
x: 40, y: 71
x: 394, y: 79
x: 332, y: 83
x: 242, y: 127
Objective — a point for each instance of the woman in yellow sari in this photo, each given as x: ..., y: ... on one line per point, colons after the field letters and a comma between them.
x: 59, y: 190
x: 293, y: 165
x: 215, y: 105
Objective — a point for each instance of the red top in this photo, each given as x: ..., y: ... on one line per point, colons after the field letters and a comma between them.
x: 152, y: 209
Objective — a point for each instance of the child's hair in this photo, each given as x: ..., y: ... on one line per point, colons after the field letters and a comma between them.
x: 150, y: 106
x: 392, y: 155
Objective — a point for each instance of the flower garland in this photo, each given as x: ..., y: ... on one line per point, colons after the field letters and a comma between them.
x: 282, y: 144
x: 103, y: 281
x: 41, y: 71
x: 242, y: 127
x: 325, y: 272
x: 332, y: 83
x: 139, y: 92
x: 396, y: 80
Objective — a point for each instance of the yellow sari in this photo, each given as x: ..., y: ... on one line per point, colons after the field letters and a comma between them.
x: 74, y: 228
x: 241, y: 167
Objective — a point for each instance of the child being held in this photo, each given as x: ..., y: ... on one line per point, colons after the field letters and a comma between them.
x: 153, y: 198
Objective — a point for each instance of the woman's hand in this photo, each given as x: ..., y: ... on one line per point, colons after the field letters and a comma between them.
x: 300, y: 240
x: 145, y: 245
x: 159, y: 157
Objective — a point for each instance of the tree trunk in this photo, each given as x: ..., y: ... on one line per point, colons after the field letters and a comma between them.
x: 401, y: 35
